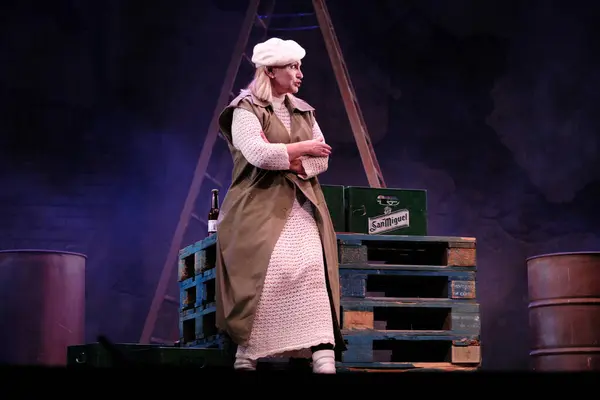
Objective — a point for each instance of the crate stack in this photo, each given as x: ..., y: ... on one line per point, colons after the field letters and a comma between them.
x: 408, y: 300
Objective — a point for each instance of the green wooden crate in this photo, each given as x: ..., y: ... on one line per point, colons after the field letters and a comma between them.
x: 334, y: 197
x: 386, y: 211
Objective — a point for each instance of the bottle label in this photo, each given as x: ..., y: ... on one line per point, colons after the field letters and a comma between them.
x: 212, y: 225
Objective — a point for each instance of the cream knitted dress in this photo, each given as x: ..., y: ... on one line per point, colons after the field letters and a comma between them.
x: 293, y: 312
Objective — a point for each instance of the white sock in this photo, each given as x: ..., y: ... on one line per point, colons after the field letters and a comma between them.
x: 324, y: 362
x: 243, y: 363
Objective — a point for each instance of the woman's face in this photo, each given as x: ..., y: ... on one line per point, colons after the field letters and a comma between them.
x: 286, y: 79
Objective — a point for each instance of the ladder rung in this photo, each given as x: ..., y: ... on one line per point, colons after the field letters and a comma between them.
x: 248, y: 59
x: 216, y: 182
x: 291, y: 15
x: 261, y: 22
x: 197, y: 218
x: 171, y: 299
x: 299, y: 28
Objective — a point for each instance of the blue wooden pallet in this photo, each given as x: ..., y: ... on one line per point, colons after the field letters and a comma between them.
x: 424, y: 281
x: 198, y: 291
x: 197, y: 257
x: 414, y: 315
x: 376, y: 346
x: 363, y: 250
x: 197, y: 324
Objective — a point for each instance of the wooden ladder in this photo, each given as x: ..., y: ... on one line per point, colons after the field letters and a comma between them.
x: 240, y: 53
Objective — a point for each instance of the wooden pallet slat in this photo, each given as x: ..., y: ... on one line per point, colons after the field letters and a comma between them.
x: 410, y: 316
x: 402, y: 347
x: 407, y: 282
x: 401, y: 367
x: 443, y: 251
x: 205, y: 243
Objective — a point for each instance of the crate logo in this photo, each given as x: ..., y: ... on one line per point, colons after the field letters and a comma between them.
x: 389, y: 222
x: 391, y: 201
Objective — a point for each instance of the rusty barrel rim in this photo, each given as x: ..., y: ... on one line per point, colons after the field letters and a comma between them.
x: 566, y: 253
x: 564, y: 350
x: 69, y: 253
x: 564, y: 301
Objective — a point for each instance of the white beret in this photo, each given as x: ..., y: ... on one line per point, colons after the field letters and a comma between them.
x: 277, y: 52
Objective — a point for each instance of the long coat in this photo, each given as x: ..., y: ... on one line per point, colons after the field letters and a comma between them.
x: 253, y: 213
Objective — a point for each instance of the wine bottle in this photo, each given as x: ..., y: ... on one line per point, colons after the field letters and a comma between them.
x: 213, y: 214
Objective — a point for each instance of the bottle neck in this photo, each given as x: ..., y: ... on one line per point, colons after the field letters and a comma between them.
x: 215, y: 200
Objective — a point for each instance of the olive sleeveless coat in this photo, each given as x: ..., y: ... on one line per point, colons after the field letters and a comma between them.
x: 253, y: 213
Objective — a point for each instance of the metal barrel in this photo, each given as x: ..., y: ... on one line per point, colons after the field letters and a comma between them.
x: 564, y: 311
x: 42, y: 312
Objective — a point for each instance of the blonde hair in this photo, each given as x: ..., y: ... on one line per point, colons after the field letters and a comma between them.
x: 260, y: 86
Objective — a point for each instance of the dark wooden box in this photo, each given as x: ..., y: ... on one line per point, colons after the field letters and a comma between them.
x: 132, y: 355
